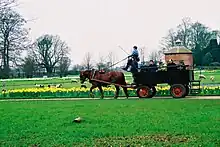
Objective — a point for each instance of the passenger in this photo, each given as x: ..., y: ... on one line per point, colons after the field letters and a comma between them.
x: 152, y: 66
x: 171, y: 65
x: 182, y: 65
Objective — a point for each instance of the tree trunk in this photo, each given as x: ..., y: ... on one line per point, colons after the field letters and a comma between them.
x: 49, y: 71
x: 5, y: 61
x: 7, y: 58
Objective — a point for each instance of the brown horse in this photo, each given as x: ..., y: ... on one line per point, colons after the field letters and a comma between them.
x: 110, y: 77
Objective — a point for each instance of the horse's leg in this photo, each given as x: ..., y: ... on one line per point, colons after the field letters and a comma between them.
x: 93, y: 87
x: 116, y: 92
x: 101, y: 91
x: 125, y: 91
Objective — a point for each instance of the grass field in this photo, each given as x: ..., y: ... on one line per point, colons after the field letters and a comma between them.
x: 30, y: 83
x: 14, y: 84
x: 156, y: 122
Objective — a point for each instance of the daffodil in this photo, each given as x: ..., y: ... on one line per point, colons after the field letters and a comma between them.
x: 80, y: 91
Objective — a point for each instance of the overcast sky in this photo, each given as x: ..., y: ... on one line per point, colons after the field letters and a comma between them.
x: 100, y: 26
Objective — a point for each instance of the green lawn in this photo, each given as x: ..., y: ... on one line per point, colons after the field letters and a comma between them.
x: 14, y: 84
x: 155, y: 122
x: 207, y: 75
x: 31, y: 83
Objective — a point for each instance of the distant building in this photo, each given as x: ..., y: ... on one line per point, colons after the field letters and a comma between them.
x: 179, y: 53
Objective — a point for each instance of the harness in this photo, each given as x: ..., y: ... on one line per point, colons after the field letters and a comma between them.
x: 92, y: 75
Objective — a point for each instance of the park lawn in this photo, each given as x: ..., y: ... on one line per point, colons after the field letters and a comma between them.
x: 66, y: 83
x: 208, y: 75
x: 155, y: 122
x: 15, y: 84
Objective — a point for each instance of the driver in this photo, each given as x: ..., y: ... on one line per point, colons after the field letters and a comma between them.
x: 134, y: 60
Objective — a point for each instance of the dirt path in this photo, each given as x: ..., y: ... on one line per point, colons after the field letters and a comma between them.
x: 75, y: 99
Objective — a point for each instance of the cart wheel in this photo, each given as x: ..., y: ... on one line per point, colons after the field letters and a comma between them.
x: 154, y: 91
x: 178, y: 91
x: 187, y: 90
x: 144, y: 92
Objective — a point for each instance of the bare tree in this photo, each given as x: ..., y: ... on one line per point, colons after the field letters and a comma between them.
x: 29, y: 66
x: 106, y: 63
x: 200, y: 34
x: 184, y: 31
x: 142, y: 54
x: 88, y: 61
x: 76, y: 69
x: 169, y: 40
x: 111, y: 60
x: 7, y: 4
x: 101, y: 63
x: 48, y: 50
x: 190, y: 33
x: 193, y: 35
x: 155, y: 56
x: 13, y: 38
x: 64, y: 64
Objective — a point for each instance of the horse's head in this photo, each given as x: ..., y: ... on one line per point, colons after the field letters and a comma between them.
x: 84, y: 75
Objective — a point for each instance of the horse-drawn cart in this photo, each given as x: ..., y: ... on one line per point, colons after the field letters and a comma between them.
x: 181, y: 82
x: 180, y: 78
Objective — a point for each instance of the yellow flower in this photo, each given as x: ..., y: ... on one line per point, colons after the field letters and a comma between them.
x: 78, y: 89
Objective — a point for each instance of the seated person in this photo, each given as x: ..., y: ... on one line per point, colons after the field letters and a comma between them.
x: 171, y: 65
x: 152, y: 66
x: 181, y: 65
x: 133, y: 61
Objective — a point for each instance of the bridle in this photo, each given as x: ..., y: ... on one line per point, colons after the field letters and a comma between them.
x: 87, y: 74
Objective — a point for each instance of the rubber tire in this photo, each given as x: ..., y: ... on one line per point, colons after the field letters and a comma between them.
x: 187, y: 90
x: 154, y: 91
x: 145, y: 87
x: 183, y: 89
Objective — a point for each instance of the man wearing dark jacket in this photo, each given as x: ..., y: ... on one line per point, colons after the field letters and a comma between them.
x: 152, y: 66
x: 134, y: 59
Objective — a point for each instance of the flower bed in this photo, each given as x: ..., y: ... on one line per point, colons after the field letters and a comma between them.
x: 84, y: 92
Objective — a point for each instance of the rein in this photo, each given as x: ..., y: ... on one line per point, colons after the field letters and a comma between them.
x: 117, y: 62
